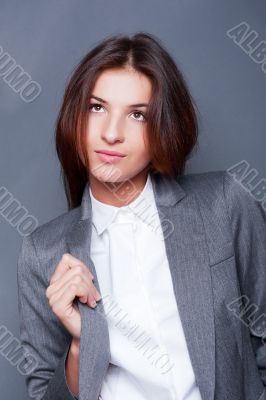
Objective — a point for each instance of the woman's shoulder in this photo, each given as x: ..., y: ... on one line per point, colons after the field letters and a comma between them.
x: 41, y: 249
x: 54, y: 230
x: 226, y: 191
x: 202, y: 181
x: 206, y: 187
x: 212, y: 182
x: 215, y: 190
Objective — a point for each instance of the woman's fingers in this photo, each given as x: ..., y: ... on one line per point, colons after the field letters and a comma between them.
x: 67, y: 262
x: 89, y: 292
x: 60, y: 298
x: 71, y: 279
x: 77, y: 271
x: 72, y: 270
x: 67, y: 311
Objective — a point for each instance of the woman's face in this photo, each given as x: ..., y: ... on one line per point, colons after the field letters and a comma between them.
x: 116, y: 122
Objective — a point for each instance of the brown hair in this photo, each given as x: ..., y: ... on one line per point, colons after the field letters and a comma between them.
x: 172, y: 127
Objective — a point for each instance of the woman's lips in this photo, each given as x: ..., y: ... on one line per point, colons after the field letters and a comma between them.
x: 108, y: 158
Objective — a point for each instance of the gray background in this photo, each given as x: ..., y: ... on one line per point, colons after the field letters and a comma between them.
x: 48, y: 38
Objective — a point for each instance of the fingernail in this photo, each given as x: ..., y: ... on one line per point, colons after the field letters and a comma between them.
x: 93, y: 303
x: 98, y: 296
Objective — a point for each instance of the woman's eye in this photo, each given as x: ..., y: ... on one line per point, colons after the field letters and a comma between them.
x: 95, y: 106
x: 140, y: 116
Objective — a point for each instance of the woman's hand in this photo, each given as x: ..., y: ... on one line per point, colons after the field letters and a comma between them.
x: 71, y: 278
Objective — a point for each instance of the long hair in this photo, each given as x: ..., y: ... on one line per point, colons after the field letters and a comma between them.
x: 172, y: 126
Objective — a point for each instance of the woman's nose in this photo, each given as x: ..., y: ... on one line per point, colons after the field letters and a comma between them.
x: 113, y: 131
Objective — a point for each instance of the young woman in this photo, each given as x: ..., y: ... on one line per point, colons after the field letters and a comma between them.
x: 137, y: 291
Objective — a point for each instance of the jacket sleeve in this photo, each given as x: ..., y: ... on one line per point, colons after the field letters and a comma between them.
x: 44, y: 339
x: 248, y: 221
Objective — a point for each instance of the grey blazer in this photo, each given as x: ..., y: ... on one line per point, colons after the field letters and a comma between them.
x: 216, y: 253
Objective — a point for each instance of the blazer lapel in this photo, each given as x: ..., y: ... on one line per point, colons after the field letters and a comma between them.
x: 187, y: 254
x: 94, y: 341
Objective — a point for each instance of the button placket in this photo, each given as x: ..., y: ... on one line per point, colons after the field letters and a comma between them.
x: 153, y: 323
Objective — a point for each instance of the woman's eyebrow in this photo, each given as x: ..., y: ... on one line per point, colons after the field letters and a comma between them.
x: 131, y: 105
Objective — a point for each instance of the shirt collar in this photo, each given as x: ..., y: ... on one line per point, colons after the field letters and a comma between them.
x: 104, y: 214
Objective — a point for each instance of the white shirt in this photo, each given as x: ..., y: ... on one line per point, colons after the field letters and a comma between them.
x: 149, y: 355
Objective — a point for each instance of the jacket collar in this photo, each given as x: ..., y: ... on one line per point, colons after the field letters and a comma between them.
x: 104, y: 214
x: 167, y: 192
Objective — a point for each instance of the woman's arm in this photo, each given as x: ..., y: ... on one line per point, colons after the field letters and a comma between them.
x: 44, y: 338
x: 72, y: 367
